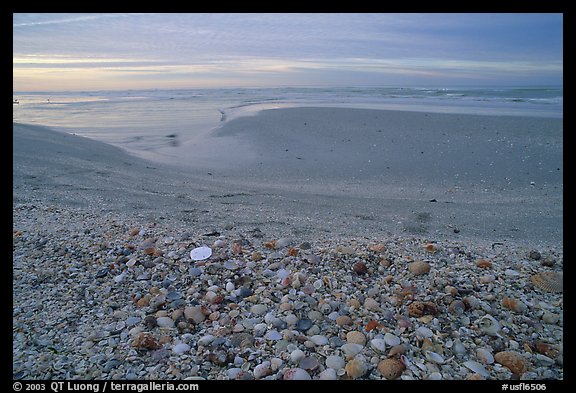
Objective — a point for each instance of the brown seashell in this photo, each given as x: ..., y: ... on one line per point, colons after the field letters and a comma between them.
x: 430, y: 247
x: 457, y: 307
x: 356, y: 337
x: 419, y: 267
x: 145, y: 341
x: 391, y: 368
x: 378, y: 247
x: 343, y: 320
x: 513, y: 360
x: 549, y: 281
x: 513, y: 304
x: 356, y: 368
x: 292, y: 251
x: 360, y: 268
x: 397, y: 350
x: 483, y: 263
x: 256, y: 256
x: 418, y: 309
x: 546, y: 349
x: 270, y: 245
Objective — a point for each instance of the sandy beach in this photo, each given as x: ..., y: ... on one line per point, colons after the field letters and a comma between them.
x: 290, y: 202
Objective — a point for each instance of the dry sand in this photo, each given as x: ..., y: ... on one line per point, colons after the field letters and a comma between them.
x: 330, y: 171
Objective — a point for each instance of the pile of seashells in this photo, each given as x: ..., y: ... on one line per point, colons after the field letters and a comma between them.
x: 99, y: 297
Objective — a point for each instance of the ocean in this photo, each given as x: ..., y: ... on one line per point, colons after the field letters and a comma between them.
x: 148, y: 122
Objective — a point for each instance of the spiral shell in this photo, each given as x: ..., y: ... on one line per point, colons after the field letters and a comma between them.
x: 549, y: 281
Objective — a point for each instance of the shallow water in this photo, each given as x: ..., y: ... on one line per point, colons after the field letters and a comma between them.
x: 150, y: 122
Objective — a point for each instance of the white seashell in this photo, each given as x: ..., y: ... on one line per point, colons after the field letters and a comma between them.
x: 489, y: 325
x: 272, y: 335
x: 435, y: 376
x: 262, y: 370
x: 335, y: 362
x: 232, y: 373
x: 319, y: 339
x: 351, y: 349
x: 424, y: 332
x: 328, y: 375
x: 260, y: 329
x: 378, y: 344
x: 206, y: 339
x: 131, y: 262
x: 294, y: 374
x: 297, y: 355
x: 476, y: 367
x: 230, y: 287
x: 484, y: 356
x: 318, y: 284
x: 391, y: 340
x: 434, y: 357
x: 200, y: 253
x: 180, y: 348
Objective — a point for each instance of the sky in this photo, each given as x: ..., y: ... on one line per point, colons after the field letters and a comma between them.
x: 71, y: 52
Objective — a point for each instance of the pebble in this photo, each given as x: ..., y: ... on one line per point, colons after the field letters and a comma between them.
x: 318, y: 339
x: 180, y: 348
x: 391, y: 340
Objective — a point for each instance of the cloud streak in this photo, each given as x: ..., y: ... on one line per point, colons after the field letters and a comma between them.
x: 257, y: 49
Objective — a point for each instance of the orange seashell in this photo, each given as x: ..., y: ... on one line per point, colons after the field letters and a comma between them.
x: 513, y: 360
x: 430, y: 247
x: 292, y: 251
x: 513, y: 304
x: 391, y: 368
x: 371, y: 325
x: 271, y: 244
x: 549, y: 281
x: 484, y: 263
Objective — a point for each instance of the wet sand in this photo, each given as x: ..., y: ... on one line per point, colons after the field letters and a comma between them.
x: 340, y: 172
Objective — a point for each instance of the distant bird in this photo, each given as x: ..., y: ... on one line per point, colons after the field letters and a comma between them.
x: 16, y: 102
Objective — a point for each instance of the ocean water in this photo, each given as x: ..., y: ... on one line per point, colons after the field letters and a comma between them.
x: 149, y: 122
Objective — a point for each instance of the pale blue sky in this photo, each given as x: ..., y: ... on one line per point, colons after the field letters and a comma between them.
x: 131, y: 51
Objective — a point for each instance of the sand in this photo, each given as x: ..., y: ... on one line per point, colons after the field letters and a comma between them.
x: 338, y: 172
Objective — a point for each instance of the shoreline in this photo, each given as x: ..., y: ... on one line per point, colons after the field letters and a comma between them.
x: 103, y: 238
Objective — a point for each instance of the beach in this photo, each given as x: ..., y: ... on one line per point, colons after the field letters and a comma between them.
x: 308, y: 213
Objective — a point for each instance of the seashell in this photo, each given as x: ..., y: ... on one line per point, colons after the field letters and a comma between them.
x: 308, y: 363
x: 319, y: 339
x: 270, y: 245
x: 343, y: 320
x: 424, y: 332
x: 477, y: 368
x: 484, y: 356
x: 483, y: 263
x: 356, y: 367
x: 356, y: 337
x: 397, y: 350
x: 262, y: 370
x: 145, y: 341
x: 200, y: 253
x: 418, y: 309
x: 335, y: 362
x: 546, y: 349
x: 430, y: 247
x: 180, y: 348
x: 434, y: 357
x: 371, y: 304
x: 292, y: 251
x: 378, y: 344
x: 457, y: 307
x: 514, y: 304
x: 328, y: 375
x: 360, y: 268
x: 419, y: 267
x: 549, y: 281
x: 489, y: 325
x: 295, y: 374
x: 391, y: 368
x: 377, y: 247
x: 391, y: 339
x: 513, y: 360
x: 351, y: 349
